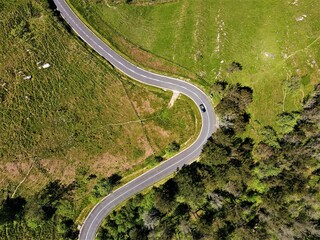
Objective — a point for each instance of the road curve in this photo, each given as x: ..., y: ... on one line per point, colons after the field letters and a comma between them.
x: 106, y: 205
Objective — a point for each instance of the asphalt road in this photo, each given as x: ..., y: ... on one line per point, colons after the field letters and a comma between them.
x: 99, y: 212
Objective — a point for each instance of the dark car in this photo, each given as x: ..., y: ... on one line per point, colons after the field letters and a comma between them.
x: 202, y: 107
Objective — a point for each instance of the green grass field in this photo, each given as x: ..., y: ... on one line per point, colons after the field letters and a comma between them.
x: 67, y: 115
x: 79, y: 112
x: 276, y: 42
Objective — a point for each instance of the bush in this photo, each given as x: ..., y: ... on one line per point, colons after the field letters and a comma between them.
x: 173, y: 147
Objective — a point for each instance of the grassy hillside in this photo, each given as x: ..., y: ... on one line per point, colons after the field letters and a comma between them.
x: 67, y: 115
x: 276, y: 44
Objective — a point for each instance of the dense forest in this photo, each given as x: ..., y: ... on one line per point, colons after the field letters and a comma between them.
x: 239, y: 189
x: 52, y: 211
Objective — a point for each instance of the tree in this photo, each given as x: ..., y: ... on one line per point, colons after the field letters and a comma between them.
x: 114, y: 179
x: 287, y: 121
x: 151, y: 218
x: 173, y: 147
x: 12, y: 209
x: 50, y: 196
x: 102, y: 188
x: 235, y: 66
x: 164, y: 196
x: 191, y: 187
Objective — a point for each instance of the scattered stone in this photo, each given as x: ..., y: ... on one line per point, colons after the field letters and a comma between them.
x: 301, y: 18
x: 269, y: 55
x: 27, y: 77
x: 295, y: 3
x: 46, y: 65
x: 221, y: 32
x: 312, y: 64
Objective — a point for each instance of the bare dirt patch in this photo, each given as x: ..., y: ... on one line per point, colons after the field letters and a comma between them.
x: 145, y: 107
x: 107, y: 164
x: 56, y: 167
x: 144, y: 143
x: 14, y: 171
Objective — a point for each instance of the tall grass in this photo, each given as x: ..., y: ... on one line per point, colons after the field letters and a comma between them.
x: 206, y: 36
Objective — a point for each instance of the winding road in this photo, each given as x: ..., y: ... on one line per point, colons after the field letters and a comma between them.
x: 105, y: 206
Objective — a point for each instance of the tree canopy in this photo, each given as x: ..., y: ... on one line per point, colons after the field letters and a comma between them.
x: 239, y: 189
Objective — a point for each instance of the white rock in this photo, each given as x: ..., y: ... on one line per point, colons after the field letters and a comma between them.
x: 301, y: 18
x: 294, y: 3
x: 269, y: 55
x: 27, y: 77
x: 46, y: 65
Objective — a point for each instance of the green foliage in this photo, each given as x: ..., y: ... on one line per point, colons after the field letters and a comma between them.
x: 235, y: 66
x: 67, y: 229
x: 190, y: 185
x: 102, y: 188
x: 266, y: 170
x: 49, y: 212
x: 287, y: 121
x: 164, y: 196
x: 21, y: 30
x: 158, y: 159
x: 105, y: 185
x: 12, y: 209
x: 151, y: 218
x: 270, y: 137
x: 127, y: 221
x: 173, y: 147
x: 51, y: 196
x: 232, y: 108
x: 230, y: 195
x: 114, y: 179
